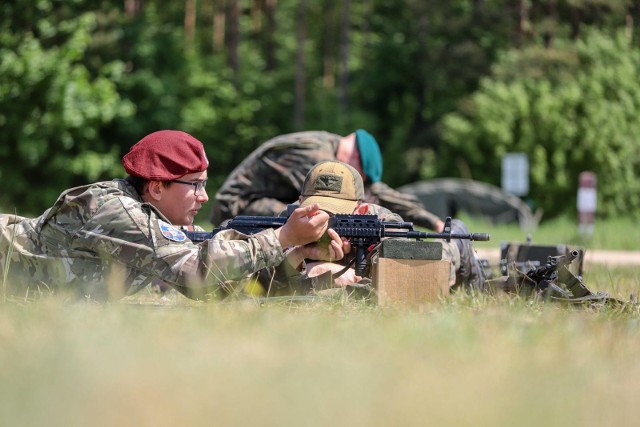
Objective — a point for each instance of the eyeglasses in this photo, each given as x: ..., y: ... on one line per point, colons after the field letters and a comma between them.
x: 198, y: 185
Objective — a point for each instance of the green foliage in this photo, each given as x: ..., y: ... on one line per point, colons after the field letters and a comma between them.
x: 51, y: 111
x: 81, y: 81
x: 572, y: 110
x: 420, y: 61
x: 229, y: 120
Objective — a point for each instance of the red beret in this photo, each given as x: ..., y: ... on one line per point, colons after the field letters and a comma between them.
x: 165, y: 155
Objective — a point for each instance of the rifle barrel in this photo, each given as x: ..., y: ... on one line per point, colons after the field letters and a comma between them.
x: 446, y: 236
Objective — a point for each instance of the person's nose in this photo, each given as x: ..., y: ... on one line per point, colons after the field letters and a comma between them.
x: 202, y: 196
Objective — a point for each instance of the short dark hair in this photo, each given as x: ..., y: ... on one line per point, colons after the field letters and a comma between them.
x: 139, y: 183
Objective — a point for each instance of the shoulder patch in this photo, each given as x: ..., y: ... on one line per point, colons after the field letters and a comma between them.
x: 171, y: 232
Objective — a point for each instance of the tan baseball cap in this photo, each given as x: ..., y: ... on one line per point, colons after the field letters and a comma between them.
x: 335, y: 186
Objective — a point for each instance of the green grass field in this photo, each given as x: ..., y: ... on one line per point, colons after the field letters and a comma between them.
x: 466, y: 361
x: 613, y: 234
x: 469, y: 360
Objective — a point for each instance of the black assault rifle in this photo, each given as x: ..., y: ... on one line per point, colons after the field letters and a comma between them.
x: 363, y: 231
x: 555, y: 280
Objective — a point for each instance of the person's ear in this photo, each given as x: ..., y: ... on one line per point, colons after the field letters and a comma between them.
x: 154, y: 189
x: 362, y: 209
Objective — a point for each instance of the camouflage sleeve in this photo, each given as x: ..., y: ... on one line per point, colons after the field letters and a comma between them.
x: 383, y: 213
x: 265, y: 206
x: 405, y: 205
x: 150, y: 247
x: 272, y: 176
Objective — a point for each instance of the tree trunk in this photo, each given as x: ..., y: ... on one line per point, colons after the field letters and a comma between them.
x: 549, y: 34
x: 632, y: 10
x: 367, y: 12
x: 422, y: 63
x: 206, y: 16
x: 219, y: 22
x: 328, y: 52
x: 233, y: 40
x: 270, y: 31
x: 523, y: 22
x: 189, y: 23
x: 343, y: 80
x: 576, y: 19
x: 133, y: 7
x: 300, y: 85
x: 257, y: 11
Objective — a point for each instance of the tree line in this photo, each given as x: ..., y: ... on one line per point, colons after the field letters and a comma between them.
x: 447, y: 88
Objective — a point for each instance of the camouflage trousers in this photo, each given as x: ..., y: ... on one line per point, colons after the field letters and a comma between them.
x: 451, y: 253
x: 470, y: 273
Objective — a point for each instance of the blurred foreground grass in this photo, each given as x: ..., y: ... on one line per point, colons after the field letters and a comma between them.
x: 466, y: 361
x: 154, y: 360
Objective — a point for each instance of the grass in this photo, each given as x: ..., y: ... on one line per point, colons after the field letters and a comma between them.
x: 5, y: 270
x: 469, y: 360
x: 466, y: 361
x: 613, y: 234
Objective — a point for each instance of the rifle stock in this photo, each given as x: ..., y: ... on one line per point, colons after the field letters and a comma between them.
x: 244, y: 224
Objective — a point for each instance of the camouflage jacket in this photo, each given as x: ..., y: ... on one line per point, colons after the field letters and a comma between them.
x: 102, y: 241
x: 271, y: 177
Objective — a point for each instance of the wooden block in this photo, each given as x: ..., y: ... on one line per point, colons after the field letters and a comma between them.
x: 410, y: 282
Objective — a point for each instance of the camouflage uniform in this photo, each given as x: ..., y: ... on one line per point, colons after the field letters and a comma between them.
x: 102, y: 241
x: 271, y: 177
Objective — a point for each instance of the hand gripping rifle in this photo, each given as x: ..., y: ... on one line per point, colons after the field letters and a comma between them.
x: 363, y: 231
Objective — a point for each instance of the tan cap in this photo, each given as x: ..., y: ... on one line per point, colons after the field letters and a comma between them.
x: 335, y: 186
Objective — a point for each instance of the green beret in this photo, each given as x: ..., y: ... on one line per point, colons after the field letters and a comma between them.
x: 369, y: 155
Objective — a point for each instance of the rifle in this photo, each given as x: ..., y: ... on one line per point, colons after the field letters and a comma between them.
x: 363, y: 231
x: 545, y: 277
x: 245, y: 224
x: 555, y: 281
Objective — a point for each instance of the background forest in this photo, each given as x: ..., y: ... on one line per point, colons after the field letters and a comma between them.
x: 447, y: 87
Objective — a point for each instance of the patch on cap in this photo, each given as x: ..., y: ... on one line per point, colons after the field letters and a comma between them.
x: 328, y: 183
x: 335, y: 186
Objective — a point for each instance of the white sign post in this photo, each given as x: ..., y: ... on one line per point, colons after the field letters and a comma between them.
x: 515, y: 174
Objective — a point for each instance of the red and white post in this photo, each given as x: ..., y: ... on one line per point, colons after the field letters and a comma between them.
x: 587, y: 202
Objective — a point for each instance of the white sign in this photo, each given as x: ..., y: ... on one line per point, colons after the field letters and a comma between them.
x: 587, y: 199
x: 515, y: 174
